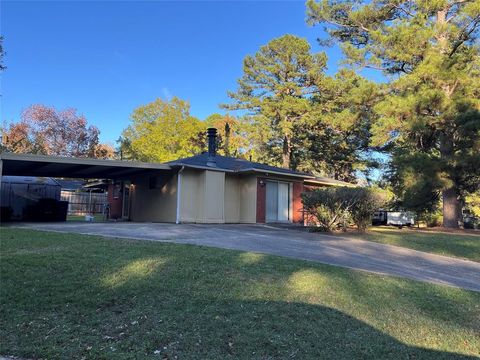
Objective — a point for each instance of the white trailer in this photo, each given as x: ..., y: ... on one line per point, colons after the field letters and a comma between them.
x: 394, y: 218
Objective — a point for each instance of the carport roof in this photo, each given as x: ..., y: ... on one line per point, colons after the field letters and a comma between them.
x: 57, y: 166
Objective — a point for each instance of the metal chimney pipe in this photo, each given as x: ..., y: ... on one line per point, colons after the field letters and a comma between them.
x: 212, y: 146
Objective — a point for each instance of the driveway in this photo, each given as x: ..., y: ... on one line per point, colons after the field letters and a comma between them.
x: 327, y: 249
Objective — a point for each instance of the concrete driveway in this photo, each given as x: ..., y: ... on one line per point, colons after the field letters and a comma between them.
x: 327, y: 249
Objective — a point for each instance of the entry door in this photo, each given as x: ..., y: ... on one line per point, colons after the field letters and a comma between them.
x: 272, y: 201
x: 126, y: 201
x: 277, y: 201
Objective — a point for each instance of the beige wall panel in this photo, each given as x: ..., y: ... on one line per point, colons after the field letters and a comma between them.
x: 232, y: 199
x: 214, y: 197
x: 202, y: 196
x: 192, y: 195
x: 153, y: 205
x: 248, y: 198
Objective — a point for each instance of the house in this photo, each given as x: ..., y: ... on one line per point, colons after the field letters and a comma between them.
x: 206, y: 188
x: 209, y: 188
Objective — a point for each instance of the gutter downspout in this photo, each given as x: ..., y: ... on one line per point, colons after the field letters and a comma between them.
x: 179, y: 193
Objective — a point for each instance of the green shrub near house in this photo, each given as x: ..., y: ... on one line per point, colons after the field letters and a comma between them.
x: 337, y: 207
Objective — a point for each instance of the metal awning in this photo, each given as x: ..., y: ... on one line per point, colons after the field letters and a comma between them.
x: 66, y: 167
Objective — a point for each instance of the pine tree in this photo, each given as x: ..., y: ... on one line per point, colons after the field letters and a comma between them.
x: 430, y: 111
x: 277, y: 85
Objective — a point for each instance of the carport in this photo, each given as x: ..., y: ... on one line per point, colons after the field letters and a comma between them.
x: 123, y: 174
x: 84, y: 168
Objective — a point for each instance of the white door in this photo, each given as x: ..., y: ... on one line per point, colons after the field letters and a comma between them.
x: 271, y: 201
x: 283, y: 202
x: 277, y: 201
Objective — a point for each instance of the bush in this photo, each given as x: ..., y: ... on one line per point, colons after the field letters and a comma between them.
x: 432, y: 219
x: 337, y: 207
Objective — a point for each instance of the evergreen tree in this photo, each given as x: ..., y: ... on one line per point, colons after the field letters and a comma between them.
x: 430, y: 111
x: 277, y: 86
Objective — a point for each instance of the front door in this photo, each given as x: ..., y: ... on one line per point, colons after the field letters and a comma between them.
x: 126, y: 201
x: 277, y: 201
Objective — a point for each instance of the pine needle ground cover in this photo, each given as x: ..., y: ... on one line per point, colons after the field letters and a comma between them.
x: 73, y: 296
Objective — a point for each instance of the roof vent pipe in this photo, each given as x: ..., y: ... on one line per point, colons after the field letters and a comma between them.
x: 212, y: 146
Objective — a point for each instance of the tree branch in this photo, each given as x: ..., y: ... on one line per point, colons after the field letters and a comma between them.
x: 465, y: 34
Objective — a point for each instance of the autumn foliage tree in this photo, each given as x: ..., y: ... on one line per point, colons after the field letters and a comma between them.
x: 233, y: 134
x: 163, y: 131
x: 48, y: 131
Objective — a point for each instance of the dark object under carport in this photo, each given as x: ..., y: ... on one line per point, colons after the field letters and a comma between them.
x: 46, y: 210
x: 31, y: 198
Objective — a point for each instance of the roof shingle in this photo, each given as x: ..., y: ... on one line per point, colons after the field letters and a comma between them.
x: 231, y: 164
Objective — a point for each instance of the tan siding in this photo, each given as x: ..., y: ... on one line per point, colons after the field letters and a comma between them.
x: 154, y: 205
x: 232, y: 199
x: 202, y: 196
x: 248, y: 199
x: 214, y: 197
x: 192, y: 195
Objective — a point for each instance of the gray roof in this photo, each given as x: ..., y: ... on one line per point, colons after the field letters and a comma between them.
x: 231, y: 164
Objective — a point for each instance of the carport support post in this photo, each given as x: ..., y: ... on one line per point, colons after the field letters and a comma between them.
x: 179, y: 194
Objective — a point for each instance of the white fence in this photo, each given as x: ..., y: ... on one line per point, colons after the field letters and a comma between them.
x: 81, y: 203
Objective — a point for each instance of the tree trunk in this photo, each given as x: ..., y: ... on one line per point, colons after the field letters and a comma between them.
x: 452, y: 209
x: 287, y: 152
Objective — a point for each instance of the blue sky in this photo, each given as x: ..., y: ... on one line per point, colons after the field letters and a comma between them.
x: 106, y: 58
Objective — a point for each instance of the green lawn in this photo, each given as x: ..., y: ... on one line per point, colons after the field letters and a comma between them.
x: 72, y: 296
x: 458, y: 245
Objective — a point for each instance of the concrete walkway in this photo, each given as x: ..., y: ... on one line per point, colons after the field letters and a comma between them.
x: 327, y: 249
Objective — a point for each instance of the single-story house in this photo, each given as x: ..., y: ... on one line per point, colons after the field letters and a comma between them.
x: 209, y: 188
x: 206, y: 188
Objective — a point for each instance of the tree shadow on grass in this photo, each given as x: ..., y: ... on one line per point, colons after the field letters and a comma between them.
x: 114, y: 301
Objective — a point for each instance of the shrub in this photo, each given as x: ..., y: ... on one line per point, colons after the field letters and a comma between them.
x: 337, y: 207
x: 432, y: 219
x: 365, y: 202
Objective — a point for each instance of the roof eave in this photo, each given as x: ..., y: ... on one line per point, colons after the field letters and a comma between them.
x: 200, y: 167
x: 331, y: 183
x: 263, y: 171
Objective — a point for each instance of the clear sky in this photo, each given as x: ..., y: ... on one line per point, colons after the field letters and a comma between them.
x: 106, y: 58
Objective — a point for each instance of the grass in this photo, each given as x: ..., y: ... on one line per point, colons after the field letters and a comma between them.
x: 457, y: 245
x: 74, y: 296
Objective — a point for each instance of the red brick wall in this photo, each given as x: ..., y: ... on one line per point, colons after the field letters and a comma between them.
x: 297, y: 202
x: 115, y: 204
x: 261, y: 200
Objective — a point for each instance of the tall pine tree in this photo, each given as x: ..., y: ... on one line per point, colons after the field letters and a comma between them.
x: 277, y: 85
x: 430, y: 112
